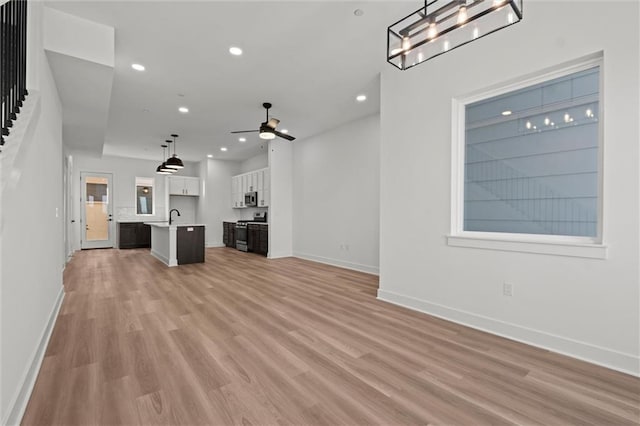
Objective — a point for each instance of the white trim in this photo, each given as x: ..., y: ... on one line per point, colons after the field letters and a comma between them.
x: 213, y: 244
x: 279, y: 255
x: 542, y: 244
x: 111, y: 226
x: 375, y: 270
x: 145, y: 181
x: 591, y: 251
x: 615, y: 360
x: 163, y: 259
x: 19, y: 402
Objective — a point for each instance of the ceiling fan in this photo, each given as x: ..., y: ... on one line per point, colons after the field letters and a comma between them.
x: 268, y: 128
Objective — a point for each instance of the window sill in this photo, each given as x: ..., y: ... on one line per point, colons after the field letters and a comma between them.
x: 590, y: 251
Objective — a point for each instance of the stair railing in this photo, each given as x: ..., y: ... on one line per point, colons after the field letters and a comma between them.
x: 13, y: 62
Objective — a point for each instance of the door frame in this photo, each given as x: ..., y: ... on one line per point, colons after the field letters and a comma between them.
x: 110, y: 242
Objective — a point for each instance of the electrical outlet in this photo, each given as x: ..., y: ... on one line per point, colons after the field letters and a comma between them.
x: 507, y: 289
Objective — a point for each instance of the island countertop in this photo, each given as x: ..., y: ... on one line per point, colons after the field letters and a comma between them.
x: 166, y: 224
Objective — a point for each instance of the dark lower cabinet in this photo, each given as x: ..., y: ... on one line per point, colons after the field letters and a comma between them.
x: 258, y: 238
x: 263, y: 247
x: 133, y: 235
x: 229, y: 234
x: 190, y: 242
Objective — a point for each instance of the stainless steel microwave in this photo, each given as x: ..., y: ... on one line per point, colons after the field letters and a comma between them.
x: 251, y: 199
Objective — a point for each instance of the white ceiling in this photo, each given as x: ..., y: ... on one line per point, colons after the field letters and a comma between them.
x: 310, y: 59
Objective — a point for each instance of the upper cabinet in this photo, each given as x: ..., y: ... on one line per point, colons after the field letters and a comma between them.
x: 184, y: 185
x: 257, y: 181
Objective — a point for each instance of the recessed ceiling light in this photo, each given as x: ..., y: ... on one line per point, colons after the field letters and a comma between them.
x: 361, y: 98
x: 183, y: 110
x: 358, y: 12
x: 242, y: 139
x: 210, y: 156
x: 137, y: 67
x: 506, y: 113
x: 236, y: 51
x: 223, y: 149
x: 284, y: 131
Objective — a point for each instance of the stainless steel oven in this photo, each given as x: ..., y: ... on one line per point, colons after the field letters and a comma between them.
x: 241, y: 236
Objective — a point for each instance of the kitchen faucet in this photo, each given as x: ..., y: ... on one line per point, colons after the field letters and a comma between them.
x: 171, y: 211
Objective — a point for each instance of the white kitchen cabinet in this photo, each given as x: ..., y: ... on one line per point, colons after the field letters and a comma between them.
x: 237, y: 196
x: 256, y: 181
x: 184, y: 185
x: 263, y: 198
x: 251, y: 182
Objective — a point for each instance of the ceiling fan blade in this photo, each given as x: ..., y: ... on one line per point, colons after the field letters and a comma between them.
x: 283, y: 135
x: 246, y: 131
x: 273, y: 122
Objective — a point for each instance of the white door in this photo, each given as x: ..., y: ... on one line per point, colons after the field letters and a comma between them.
x: 97, y: 210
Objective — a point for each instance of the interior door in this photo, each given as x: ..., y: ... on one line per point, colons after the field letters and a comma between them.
x: 97, y: 210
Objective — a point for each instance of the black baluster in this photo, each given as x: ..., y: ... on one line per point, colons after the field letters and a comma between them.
x: 23, y: 25
x: 3, y: 75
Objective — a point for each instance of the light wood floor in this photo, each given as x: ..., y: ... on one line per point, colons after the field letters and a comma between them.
x: 246, y: 340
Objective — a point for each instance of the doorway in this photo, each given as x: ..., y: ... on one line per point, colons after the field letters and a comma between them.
x: 97, y: 227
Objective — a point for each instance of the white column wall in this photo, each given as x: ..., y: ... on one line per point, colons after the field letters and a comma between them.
x: 336, y: 196
x: 281, y: 203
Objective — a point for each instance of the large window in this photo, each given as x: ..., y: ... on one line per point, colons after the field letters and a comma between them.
x: 529, y: 162
x: 144, y: 196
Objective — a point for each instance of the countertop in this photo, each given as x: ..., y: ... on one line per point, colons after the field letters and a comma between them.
x: 253, y: 223
x: 149, y: 222
x: 177, y: 225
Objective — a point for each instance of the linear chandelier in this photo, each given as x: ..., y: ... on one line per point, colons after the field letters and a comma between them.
x: 447, y: 24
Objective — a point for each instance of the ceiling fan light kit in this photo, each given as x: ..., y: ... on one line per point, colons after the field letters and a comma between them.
x: 267, y: 134
x: 443, y: 25
x: 267, y: 128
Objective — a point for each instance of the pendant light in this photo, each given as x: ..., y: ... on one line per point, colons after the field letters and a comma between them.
x: 162, y: 168
x: 174, y: 162
x: 166, y: 167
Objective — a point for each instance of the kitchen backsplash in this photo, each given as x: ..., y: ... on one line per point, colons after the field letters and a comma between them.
x: 129, y: 214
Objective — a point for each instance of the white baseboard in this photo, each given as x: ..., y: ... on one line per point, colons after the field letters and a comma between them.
x: 619, y: 361
x: 214, y: 244
x: 279, y: 255
x: 375, y: 270
x: 19, y: 402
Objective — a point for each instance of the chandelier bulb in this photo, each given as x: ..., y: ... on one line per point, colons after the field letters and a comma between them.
x: 462, y: 15
x: 406, y: 44
x: 432, y: 31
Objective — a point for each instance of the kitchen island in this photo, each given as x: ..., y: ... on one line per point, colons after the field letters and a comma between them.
x: 178, y: 243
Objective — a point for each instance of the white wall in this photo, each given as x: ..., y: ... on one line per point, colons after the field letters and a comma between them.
x: 257, y: 162
x: 125, y: 171
x: 587, y: 308
x: 32, y: 255
x: 187, y: 206
x: 336, y: 196
x: 216, y: 204
x: 281, y: 202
